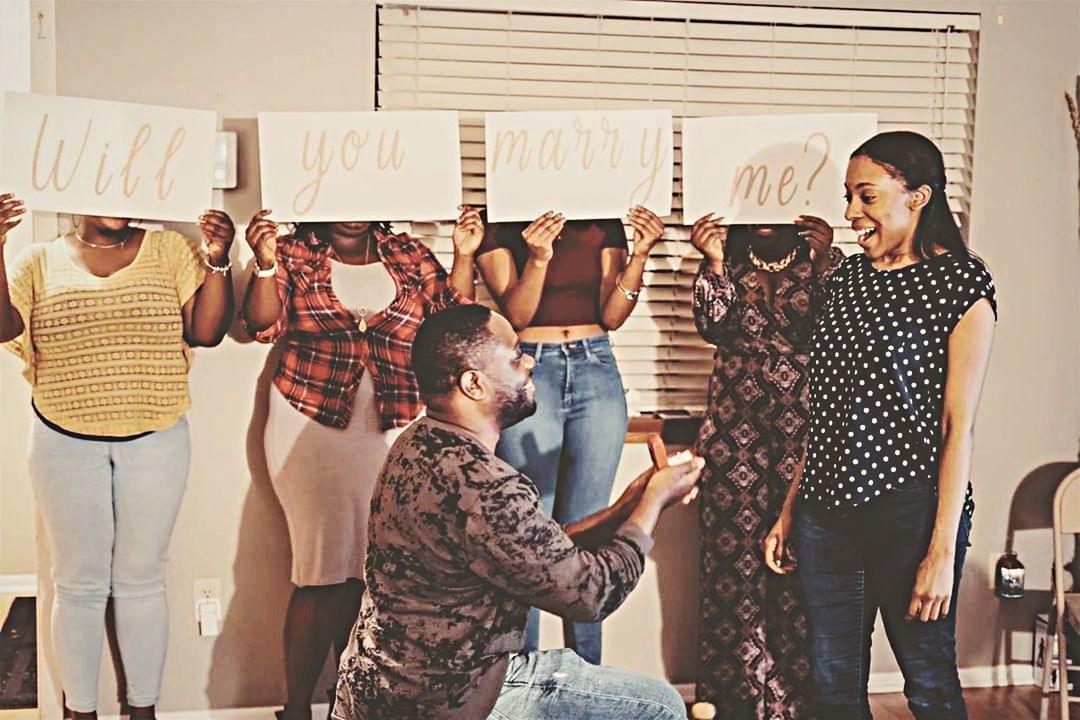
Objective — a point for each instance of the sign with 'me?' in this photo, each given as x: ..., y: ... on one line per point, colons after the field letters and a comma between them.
x: 339, y: 166
x: 116, y: 159
x: 770, y: 168
x: 588, y: 164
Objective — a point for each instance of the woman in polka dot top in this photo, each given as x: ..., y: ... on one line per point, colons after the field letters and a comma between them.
x: 880, y: 509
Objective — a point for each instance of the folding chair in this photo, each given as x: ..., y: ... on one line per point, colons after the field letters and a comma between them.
x: 1066, y: 610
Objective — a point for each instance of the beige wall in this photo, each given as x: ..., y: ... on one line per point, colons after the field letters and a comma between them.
x: 239, y: 57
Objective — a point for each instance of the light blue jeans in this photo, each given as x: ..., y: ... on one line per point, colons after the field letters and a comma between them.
x: 559, y: 684
x: 570, y: 448
x: 108, y: 510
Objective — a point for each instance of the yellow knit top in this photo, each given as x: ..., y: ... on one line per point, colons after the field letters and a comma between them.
x: 106, y: 355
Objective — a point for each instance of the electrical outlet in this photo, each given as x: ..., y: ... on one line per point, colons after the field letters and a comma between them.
x: 206, y: 589
x: 207, y: 594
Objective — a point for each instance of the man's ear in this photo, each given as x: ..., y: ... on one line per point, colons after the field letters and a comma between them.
x: 920, y: 196
x: 472, y: 385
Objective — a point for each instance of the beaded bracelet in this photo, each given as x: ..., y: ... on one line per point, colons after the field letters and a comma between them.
x: 215, y: 269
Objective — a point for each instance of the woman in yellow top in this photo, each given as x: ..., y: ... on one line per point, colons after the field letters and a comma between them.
x: 104, y: 317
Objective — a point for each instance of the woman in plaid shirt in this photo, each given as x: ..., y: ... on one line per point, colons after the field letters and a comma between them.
x: 345, y: 300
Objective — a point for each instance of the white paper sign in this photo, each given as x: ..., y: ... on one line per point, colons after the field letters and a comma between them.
x: 769, y: 168
x: 337, y: 166
x: 98, y: 157
x: 586, y: 165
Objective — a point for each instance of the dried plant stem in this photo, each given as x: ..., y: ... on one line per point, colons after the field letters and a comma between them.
x: 1074, y: 116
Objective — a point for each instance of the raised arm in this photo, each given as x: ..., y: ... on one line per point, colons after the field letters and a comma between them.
x: 11, y: 323
x: 264, y: 301
x: 715, y: 299
x: 621, y: 279
x: 468, y: 233
x: 517, y: 546
x: 209, y: 312
x: 519, y: 297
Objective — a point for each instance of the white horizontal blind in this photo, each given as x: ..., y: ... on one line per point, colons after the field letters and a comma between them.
x: 917, y: 71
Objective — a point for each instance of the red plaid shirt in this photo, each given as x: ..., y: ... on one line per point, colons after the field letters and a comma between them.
x: 325, y: 354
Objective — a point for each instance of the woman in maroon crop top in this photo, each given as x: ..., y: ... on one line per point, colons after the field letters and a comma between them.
x: 563, y: 285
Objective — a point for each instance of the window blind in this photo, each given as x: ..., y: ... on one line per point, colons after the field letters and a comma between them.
x: 917, y: 71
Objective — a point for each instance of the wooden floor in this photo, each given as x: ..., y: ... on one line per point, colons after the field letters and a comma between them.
x: 1008, y: 703
x: 984, y: 704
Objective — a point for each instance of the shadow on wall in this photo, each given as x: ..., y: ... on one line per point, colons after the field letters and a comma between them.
x: 1031, y: 509
x: 675, y: 553
x: 247, y: 662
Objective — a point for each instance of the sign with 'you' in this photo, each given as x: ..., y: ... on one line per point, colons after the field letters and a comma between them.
x: 340, y: 166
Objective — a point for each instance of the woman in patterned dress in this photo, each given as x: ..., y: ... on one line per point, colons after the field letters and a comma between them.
x: 754, y: 298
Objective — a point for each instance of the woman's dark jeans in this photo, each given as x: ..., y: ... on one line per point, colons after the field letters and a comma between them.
x: 853, y: 563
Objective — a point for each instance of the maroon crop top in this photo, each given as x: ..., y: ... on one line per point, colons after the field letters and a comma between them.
x: 571, y: 293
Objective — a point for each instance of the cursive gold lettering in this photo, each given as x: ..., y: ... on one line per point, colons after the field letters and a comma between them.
x: 512, y: 138
x: 396, y: 156
x: 587, y: 152
x: 785, y: 180
x: 175, y: 142
x: 142, y: 136
x: 55, y: 171
x: 352, y: 140
x: 320, y: 163
x: 549, y: 156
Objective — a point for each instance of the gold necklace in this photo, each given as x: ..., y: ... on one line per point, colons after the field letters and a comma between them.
x: 772, y: 265
x: 99, y: 246
x: 361, y: 322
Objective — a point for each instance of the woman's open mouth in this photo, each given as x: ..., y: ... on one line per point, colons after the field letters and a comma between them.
x: 864, y: 234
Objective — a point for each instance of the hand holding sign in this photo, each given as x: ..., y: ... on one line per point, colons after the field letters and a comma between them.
x: 11, y: 213
x: 819, y: 235
x: 261, y: 236
x: 218, y: 232
x: 468, y: 232
x: 648, y: 229
x: 708, y: 236
x: 541, y: 234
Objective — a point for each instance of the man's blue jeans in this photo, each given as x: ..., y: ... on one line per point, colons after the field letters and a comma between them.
x: 559, y: 684
x: 571, y: 447
x: 853, y: 563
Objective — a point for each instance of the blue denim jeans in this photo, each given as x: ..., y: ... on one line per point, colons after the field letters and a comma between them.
x: 559, y: 684
x: 108, y: 509
x: 854, y: 563
x: 570, y: 447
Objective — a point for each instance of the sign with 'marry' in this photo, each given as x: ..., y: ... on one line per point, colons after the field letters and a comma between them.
x: 588, y: 164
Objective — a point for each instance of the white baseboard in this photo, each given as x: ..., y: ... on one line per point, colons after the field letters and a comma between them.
x: 972, y: 677
x: 24, y: 585
x: 244, y: 713
x: 888, y: 682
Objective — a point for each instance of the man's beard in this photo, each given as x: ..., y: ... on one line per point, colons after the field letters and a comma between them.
x: 513, y: 408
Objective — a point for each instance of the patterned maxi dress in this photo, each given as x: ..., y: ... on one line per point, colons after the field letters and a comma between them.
x: 752, y: 659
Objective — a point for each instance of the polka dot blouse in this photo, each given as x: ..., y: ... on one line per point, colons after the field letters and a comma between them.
x: 877, y: 375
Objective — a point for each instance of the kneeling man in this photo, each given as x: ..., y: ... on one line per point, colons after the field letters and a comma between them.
x: 460, y: 549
